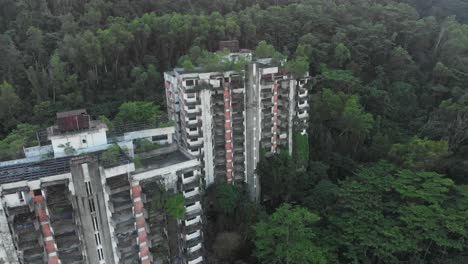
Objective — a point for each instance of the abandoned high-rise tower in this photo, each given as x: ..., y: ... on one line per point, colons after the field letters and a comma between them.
x: 227, y: 118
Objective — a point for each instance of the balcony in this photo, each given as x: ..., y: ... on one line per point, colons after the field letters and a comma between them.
x: 190, y: 98
x: 191, y: 121
x: 189, y: 178
x: 192, y: 132
x: 196, y: 261
x: 303, y: 104
x: 195, y: 153
x: 193, y: 207
x: 192, y: 109
x: 194, y: 248
x: 303, y: 115
x: 188, y: 194
x: 195, y: 143
x: 193, y: 235
x: 303, y: 94
x: 193, y: 221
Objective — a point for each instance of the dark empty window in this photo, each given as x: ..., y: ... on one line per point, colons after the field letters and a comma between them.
x: 189, y: 82
x: 192, y: 129
x: 84, y: 141
x: 37, y: 192
x: 158, y: 138
x: 188, y: 174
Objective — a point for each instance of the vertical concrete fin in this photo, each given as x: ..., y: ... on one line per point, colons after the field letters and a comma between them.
x: 138, y: 211
x: 7, y: 248
x: 42, y: 214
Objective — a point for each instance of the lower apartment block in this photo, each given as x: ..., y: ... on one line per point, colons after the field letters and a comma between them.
x: 85, y: 208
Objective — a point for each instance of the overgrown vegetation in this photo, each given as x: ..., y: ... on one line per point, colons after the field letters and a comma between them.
x: 11, y: 147
x: 202, y: 60
x: 171, y: 203
x: 145, y: 145
x: 110, y: 156
x: 389, y: 83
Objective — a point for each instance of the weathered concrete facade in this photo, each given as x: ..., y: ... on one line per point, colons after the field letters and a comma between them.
x: 227, y: 119
x: 82, y: 209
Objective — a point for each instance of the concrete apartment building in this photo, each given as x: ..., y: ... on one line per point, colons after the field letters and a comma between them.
x: 70, y: 208
x: 227, y: 119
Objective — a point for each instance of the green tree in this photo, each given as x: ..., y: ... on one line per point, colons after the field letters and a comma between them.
x: 175, y: 206
x: 11, y: 147
x: 137, y: 113
x: 10, y: 106
x: 389, y: 215
x: 342, y: 55
x: 299, y: 67
x: 287, y: 236
x: 420, y: 154
x: 227, y: 198
x: 264, y: 50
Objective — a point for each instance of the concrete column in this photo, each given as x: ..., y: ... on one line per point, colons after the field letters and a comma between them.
x: 228, y: 133
x: 252, y: 129
x: 46, y: 229
x: 7, y: 247
x: 291, y: 114
x: 138, y: 209
x: 85, y: 169
x: 207, y: 124
x: 275, y: 119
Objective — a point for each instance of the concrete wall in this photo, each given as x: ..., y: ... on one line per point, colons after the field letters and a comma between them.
x: 148, y: 133
x: 207, y: 124
x: 7, y: 248
x: 38, y: 151
x: 92, y: 139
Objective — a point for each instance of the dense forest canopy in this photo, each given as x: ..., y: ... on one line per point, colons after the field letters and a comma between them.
x: 383, y: 176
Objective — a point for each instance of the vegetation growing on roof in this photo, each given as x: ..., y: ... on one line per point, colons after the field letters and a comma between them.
x: 202, y: 60
x: 11, y: 147
x: 111, y: 155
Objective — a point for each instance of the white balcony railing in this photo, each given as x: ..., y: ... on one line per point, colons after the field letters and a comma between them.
x: 303, y: 105
x: 189, y: 179
x: 197, y: 142
x: 303, y: 94
x: 196, y: 261
x: 303, y: 115
x: 191, y: 122
x: 194, y: 248
x: 194, y: 221
x: 191, y: 193
x: 194, y: 153
x: 192, y: 109
x: 192, y: 132
x: 193, y: 235
x: 194, y: 207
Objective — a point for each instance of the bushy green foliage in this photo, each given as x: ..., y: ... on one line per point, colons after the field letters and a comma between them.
x: 144, y: 145
x: 137, y: 113
x: 298, y: 67
x: 227, y: 198
x: 11, y: 147
x: 393, y: 215
x: 175, y: 206
x: 110, y: 156
x: 301, y: 148
x: 287, y: 236
x: 68, y: 149
x: 202, y: 60
x: 419, y: 154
